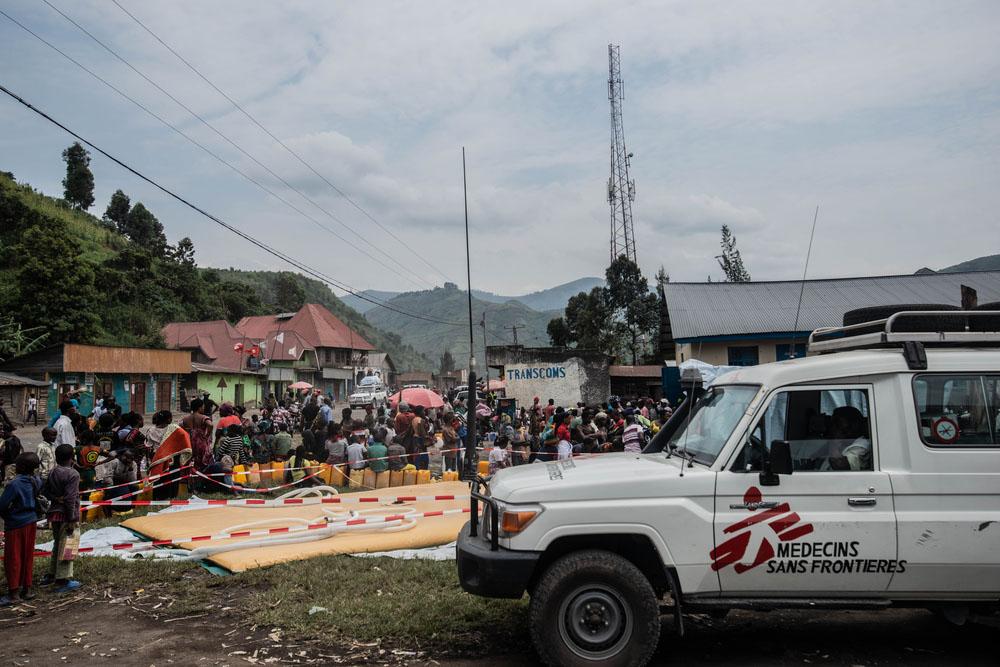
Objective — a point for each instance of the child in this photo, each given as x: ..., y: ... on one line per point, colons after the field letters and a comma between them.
x: 297, y: 462
x: 63, y: 489
x: 89, y: 456
x: 378, y: 451
x: 356, y: 453
x: 231, y: 444
x: 46, y: 452
x: 633, y: 436
x: 336, y: 446
x: 282, y: 443
x: 17, y: 508
x: 498, y: 456
x: 397, y: 455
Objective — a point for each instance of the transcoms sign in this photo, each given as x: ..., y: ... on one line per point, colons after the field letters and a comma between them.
x: 560, y: 380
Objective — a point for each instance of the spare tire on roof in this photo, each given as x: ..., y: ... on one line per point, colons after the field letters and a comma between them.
x: 988, y: 323
x: 915, y: 323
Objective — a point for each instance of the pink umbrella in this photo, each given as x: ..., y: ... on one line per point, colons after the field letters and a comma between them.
x: 417, y: 396
x: 300, y: 385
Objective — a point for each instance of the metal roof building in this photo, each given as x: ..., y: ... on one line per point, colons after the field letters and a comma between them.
x: 755, y: 322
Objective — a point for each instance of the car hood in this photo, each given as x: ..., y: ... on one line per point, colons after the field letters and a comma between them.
x: 601, y: 477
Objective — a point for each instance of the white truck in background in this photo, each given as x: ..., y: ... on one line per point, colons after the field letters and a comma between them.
x: 863, y: 477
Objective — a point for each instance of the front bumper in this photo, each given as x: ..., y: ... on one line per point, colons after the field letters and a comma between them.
x: 493, y: 574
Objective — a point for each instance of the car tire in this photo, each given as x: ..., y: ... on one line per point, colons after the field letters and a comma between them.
x: 908, y: 324
x: 594, y: 608
x: 988, y: 323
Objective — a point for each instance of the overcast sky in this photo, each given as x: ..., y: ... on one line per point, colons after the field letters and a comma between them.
x: 887, y: 115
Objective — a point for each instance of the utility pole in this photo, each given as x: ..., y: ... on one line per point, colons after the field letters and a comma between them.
x: 621, y: 188
x: 514, y: 328
x: 471, y: 456
x: 486, y: 353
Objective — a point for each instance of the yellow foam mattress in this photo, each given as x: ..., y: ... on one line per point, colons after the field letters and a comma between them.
x: 428, y: 532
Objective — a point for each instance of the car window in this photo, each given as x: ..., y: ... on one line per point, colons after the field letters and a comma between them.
x: 826, y: 429
x: 958, y: 410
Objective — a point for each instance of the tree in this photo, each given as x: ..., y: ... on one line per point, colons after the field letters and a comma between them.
x: 559, y: 333
x: 143, y: 229
x: 665, y: 348
x: 15, y: 340
x: 116, y: 215
x: 631, y: 303
x: 447, y: 362
x: 288, y: 292
x: 53, y: 293
x: 78, y: 186
x: 730, y: 260
x: 183, y: 254
x: 589, y: 321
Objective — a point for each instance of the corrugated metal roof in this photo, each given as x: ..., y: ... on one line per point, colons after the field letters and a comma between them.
x: 698, y: 310
x: 9, y: 379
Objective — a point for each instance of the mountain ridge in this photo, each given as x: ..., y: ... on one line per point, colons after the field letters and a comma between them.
x: 550, y: 299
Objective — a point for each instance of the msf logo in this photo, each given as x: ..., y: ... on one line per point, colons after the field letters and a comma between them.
x: 777, y: 522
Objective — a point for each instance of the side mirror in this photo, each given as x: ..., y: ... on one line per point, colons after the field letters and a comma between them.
x: 778, y: 462
x: 781, y: 457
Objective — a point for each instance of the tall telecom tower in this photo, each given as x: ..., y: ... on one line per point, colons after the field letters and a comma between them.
x: 621, y: 189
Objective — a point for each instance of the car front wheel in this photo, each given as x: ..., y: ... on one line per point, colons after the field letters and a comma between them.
x: 594, y: 607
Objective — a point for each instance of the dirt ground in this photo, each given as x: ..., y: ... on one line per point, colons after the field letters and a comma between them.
x: 136, y: 627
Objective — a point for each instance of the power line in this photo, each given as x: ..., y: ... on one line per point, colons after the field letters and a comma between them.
x: 279, y: 141
x: 166, y: 123
x: 263, y: 246
x: 248, y: 155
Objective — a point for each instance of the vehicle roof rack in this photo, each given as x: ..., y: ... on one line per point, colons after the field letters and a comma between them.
x: 927, y: 327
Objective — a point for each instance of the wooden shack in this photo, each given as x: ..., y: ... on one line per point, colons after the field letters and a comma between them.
x: 140, y: 379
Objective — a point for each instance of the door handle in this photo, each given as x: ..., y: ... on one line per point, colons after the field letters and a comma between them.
x: 754, y: 506
x: 861, y: 502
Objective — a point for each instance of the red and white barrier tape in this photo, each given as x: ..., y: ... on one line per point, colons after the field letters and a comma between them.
x: 262, y: 502
x: 264, y: 532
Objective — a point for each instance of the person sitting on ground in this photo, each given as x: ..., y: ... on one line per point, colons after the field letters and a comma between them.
x: 564, y: 450
x: 231, y: 444
x: 377, y: 452
x: 282, y: 443
x: 63, y: 489
x: 563, y: 428
x: 396, y: 454
x: 262, y: 444
x: 122, y: 473
x: 297, y: 464
x: 17, y: 508
x: 356, y: 453
x: 221, y: 471
x: 499, y: 456
x: 336, y: 445
x: 633, y: 437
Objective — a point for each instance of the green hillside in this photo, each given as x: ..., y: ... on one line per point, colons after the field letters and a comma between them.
x: 451, y: 305
x: 79, y: 279
x: 986, y: 263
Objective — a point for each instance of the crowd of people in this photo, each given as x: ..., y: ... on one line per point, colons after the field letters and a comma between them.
x: 116, y: 451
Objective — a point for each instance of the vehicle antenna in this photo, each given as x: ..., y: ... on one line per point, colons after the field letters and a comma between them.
x: 802, y: 286
x: 687, y: 417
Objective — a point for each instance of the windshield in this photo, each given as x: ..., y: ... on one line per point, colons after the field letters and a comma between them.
x: 712, y: 422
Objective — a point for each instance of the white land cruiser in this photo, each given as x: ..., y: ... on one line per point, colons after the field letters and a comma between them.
x: 861, y: 479
x: 373, y: 394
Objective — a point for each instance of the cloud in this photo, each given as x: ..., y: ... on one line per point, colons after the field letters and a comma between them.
x: 740, y: 113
